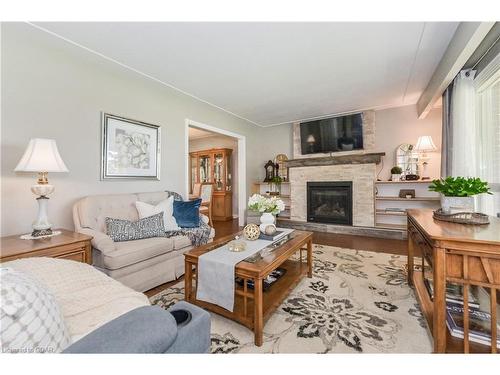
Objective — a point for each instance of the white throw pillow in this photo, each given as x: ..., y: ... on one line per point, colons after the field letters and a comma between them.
x: 166, y: 206
x: 30, y: 318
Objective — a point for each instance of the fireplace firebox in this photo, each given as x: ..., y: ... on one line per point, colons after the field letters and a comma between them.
x: 329, y: 202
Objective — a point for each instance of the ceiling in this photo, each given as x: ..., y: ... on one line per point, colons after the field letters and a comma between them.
x: 272, y: 73
x: 195, y: 133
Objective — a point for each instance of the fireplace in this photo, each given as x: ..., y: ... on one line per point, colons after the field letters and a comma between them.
x: 329, y: 202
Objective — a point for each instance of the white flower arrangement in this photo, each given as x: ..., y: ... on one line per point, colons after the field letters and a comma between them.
x: 272, y: 205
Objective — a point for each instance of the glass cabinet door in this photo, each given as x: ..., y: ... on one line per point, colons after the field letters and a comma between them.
x: 229, y: 171
x: 219, y: 171
x: 204, y: 168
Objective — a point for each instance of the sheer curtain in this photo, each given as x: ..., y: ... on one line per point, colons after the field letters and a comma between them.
x: 463, y: 104
x: 488, y: 135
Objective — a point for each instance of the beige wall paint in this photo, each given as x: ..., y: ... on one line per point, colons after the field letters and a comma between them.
x: 221, y: 141
x: 399, y: 125
x: 53, y: 89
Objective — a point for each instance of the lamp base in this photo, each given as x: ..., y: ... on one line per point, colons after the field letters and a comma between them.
x: 42, y: 226
x: 41, y: 232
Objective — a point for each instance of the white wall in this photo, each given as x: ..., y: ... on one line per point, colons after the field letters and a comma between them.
x: 399, y: 125
x: 53, y: 89
x: 221, y: 141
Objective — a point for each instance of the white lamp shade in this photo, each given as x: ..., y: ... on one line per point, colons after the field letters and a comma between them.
x: 41, y: 155
x: 425, y: 144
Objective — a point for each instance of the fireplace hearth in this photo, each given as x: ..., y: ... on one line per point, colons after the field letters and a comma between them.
x: 329, y: 202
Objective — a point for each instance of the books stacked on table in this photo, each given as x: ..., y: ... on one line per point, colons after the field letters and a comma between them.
x: 479, y: 320
x: 479, y: 323
x: 268, y: 281
x: 395, y: 209
x: 454, y: 294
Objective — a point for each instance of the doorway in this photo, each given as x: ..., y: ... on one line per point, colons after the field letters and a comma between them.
x: 217, y: 156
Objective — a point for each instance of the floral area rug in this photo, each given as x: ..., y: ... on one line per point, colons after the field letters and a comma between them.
x: 356, y: 302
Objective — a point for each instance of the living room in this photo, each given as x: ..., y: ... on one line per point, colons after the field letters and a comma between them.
x: 322, y: 187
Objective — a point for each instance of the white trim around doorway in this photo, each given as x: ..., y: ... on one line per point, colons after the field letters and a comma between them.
x: 242, y: 188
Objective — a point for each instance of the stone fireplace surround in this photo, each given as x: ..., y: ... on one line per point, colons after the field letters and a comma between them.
x: 358, y: 166
x: 361, y: 175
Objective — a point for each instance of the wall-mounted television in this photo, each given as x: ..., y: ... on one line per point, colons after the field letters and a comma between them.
x: 334, y: 134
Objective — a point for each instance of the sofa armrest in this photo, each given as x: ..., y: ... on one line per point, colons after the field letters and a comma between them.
x: 147, y: 329
x: 100, y: 241
x: 194, y: 337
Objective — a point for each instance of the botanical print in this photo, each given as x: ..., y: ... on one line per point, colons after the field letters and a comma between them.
x: 356, y: 302
x: 130, y: 148
x: 133, y: 150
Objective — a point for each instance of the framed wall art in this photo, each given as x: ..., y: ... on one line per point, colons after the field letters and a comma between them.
x: 130, y: 149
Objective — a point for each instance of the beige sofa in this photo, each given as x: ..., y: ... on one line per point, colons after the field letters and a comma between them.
x: 140, y: 264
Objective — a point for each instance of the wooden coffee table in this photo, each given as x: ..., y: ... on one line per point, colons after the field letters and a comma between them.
x: 253, y: 307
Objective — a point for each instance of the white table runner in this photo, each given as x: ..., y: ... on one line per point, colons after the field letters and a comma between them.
x: 216, y: 271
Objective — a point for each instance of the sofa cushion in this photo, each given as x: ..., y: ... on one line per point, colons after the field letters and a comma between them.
x: 125, y: 230
x: 153, y: 198
x: 165, y: 206
x: 130, y: 252
x: 30, y: 318
x: 93, y: 210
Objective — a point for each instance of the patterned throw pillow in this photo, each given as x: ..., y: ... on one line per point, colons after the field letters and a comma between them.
x: 124, y: 230
x: 30, y: 318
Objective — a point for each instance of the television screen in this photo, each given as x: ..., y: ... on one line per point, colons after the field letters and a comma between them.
x: 335, y: 134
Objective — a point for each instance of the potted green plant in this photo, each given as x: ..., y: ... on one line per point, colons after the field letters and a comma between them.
x: 457, y: 193
x: 275, y: 185
x: 396, y: 173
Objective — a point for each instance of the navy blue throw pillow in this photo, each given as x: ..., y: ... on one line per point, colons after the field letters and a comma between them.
x: 187, y: 213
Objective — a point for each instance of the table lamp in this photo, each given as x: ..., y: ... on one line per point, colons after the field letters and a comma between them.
x: 41, y: 156
x: 423, y: 146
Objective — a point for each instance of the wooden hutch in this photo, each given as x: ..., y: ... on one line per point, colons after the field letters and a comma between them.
x: 214, y: 166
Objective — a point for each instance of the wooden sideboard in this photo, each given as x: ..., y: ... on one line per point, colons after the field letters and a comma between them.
x: 67, y: 245
x: 467, y: 255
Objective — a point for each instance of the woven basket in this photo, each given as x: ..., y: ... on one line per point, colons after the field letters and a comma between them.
x: 472, y: 218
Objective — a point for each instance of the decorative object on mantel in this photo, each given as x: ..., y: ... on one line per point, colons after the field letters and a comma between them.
x: 269, y: 207
x: 457, y: 193
x: 367, y: 158
x: 251, y: 232
x: 396, y: 173
x: 407, y: 193
x: 473, y: 218
x: 282, y: 169
x: 270, y: 168
x: 423, y: 146
x: 41, y: 156
x: 130, y: 149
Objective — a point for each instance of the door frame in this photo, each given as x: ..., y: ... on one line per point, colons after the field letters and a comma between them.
x: 242, y: 188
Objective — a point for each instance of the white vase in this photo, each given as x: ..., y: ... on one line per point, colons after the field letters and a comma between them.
x: 396, y: 176
x: 266, y: 219
x: 452, y: 205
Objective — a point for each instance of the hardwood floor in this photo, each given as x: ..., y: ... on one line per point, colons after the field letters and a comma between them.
x: 399, y: 247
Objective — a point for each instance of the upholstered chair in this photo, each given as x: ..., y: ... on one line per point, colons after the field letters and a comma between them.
x: 206, y: 191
